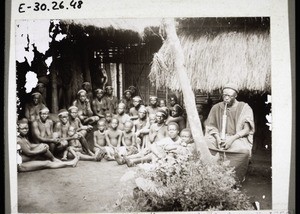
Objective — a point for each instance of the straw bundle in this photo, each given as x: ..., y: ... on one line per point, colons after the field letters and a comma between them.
x: 213, y: 60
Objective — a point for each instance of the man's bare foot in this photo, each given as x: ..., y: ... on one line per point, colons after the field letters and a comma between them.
x: 98, y: 155
x: 108, y: 158
x: 75, y: 161
x: 119, y: 159
x: 64, y: 158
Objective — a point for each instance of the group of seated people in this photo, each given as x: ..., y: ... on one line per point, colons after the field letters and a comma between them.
x: 125, y: 130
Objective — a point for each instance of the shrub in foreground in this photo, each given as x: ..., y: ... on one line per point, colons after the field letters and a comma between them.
x: 182, y: 184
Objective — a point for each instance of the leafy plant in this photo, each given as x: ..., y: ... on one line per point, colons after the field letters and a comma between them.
x: 181, y: 183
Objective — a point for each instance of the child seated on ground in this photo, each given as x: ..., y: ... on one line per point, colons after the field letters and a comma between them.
x: 185, y: 147
x: 74, y: 148
x: 99, y: 137
x: 173, y: 144
x: 129, y: 144
x: 142, y: 127
x: 113, y: 138
x: 74, y: 145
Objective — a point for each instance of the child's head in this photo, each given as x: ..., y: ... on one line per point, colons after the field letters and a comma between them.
x: 162, y: 103
x: 99, y: 93
x: 121, y: 108
x: 173, y: 99
x: 101, y: 125
x: 114, y: 123
x: 23, y: 127
x: 153, y: 100
x: 152, y: 118
x: 108, y: 117
x: 73, y: 112
x: 128, y: 94
x: 186, y: 135
x: 177, y: 110
x: 142, y: 112
x: 161, y: 116
x: 82, y: 95
x: 44, y: 113
x: 136, y: 101
x: 173, y: 130
x: 128, y: 126
x: 87, y: 86
x: 71, y: 131
x: 63, y: 116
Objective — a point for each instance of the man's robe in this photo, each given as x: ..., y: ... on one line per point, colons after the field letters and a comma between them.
x: 240, y: 151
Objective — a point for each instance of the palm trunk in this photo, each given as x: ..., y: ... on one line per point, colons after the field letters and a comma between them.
x: 188, y: 94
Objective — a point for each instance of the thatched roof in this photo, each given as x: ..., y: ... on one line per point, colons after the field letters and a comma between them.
x: 214, y: 58
x: 216, y: 49
x: 113, y: 32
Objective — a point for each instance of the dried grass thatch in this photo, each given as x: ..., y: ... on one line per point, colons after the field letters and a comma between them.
x: 124, y: 24
x: 212, y: 60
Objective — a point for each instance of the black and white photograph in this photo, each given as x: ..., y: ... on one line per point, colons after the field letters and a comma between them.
x: 139, y: 114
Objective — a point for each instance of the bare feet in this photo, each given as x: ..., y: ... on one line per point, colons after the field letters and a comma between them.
x: 98, y: 155
x: 75, y: 161
x: 128, y: 162
x: 119, y: 159
x: 64, y: 158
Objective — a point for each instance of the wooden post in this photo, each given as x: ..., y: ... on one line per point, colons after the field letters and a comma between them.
x: 188, y: 94
x: 54, y: 97
x: 118, y: 80
x: 86, y: 72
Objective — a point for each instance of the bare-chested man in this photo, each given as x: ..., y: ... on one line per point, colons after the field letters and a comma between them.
x: 99, y: 104
x: 32, y: 151
x: 33, y: 108
x: 158, y: 130
x: 113, y: 138
x: 35, y: 156
x: 85, y: 112
x: 42, y: 130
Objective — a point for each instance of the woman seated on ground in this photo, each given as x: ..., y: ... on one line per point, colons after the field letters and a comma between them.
x: 32, y: 157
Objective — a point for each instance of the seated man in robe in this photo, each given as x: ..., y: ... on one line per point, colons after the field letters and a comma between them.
x: 231, y: 132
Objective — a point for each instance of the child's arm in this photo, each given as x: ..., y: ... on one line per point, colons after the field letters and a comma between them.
x: 152, y: 134
x: 107, y: 138
x: 123, y: 140
x: 95, y: 139
x: 134, y: 143
x: 120, y: 138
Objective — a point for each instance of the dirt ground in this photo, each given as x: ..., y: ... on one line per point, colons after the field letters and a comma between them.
x: 91, y: 186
